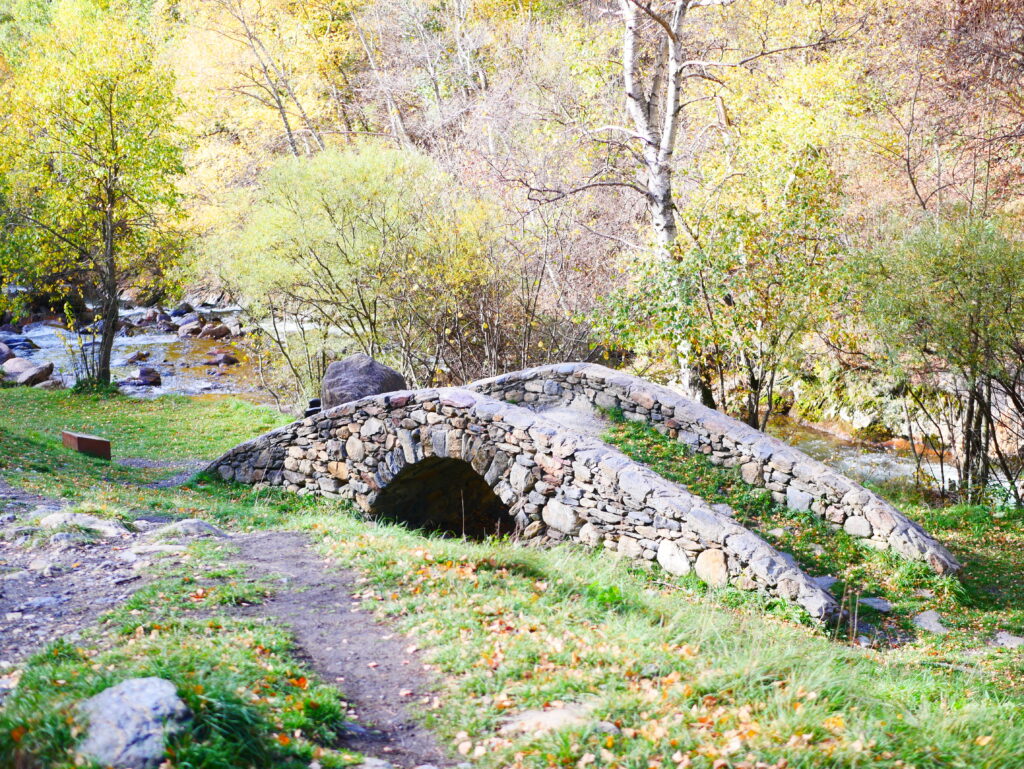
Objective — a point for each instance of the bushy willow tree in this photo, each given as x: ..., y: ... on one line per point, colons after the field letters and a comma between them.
x: 377, y: 250
x: 946, y: 300
x: 90, y: 156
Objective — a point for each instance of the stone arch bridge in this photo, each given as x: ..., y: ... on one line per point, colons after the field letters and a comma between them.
x: 499, y: 456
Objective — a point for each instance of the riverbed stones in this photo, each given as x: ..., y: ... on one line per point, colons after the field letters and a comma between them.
x: 5, y: 353
x: 147, y: 376
x: 128, y: 724
x: 35, y: 375
x: 214, y: 331
x: 357, y: 376
x: 15, y: 367
x: 223, y: 359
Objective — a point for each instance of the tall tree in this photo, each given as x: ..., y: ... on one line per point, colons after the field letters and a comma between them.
x: 91, y: 155
x: 666, y: 51
x: 663, y: 49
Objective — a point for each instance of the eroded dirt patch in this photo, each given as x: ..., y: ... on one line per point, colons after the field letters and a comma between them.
x: 53, y: 585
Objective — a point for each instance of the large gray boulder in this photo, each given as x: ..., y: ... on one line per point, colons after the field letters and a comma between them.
x: 35, y: 375
x: 5, y: 353
x: 130, y: 723
x: 15, y: 367
x: 358, y: 376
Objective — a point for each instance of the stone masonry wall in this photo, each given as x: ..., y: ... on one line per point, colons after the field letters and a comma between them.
x: 793, y: 478
x: 556, y: 484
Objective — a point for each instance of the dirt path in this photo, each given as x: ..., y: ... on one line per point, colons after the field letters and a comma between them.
x: 13, y: 499
x: 54, y: 586
x: 376, y: 669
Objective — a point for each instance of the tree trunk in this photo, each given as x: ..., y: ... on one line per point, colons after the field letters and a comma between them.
x: 108, y: 295
x: 655, y: 112
x: 661, y: 206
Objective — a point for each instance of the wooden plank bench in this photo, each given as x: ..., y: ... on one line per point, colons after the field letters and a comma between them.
x: 92, y: 445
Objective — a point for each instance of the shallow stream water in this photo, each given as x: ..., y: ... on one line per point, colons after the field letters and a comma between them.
x: 182, y: 363
x: 864, y: 463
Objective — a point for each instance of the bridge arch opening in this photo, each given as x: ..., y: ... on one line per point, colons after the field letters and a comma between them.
x: 444, y: 495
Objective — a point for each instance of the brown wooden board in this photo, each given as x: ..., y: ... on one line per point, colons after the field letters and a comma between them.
x: 92, y: 445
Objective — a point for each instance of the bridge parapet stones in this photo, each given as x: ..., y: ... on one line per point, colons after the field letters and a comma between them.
x: 794, y: 479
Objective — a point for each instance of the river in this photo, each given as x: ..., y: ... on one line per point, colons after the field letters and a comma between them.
x: 864, y: 463
x: 183, y: 363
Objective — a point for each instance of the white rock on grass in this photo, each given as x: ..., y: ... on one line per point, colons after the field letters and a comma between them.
x: 1007, y: 640
x: 105, y: 527
x: 543, y: 721
x: 930, y: 621
x: 878, y: 604
x: 129, y: 723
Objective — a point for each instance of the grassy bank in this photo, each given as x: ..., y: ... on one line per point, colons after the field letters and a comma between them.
x: 661, y: 672
x: 165, y: 428
x: 989, y: 596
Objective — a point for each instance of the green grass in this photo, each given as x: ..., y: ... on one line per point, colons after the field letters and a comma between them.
x: 682, y: 677
x: 689, y: 677
x: 166, y: 428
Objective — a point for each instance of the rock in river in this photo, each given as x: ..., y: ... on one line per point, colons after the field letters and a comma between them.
x: 35, y: 375
x: 147, y: 376
x: 15, y: 367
